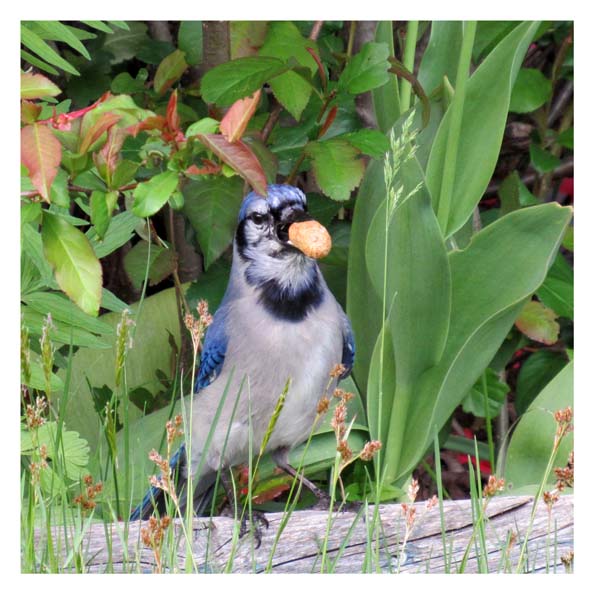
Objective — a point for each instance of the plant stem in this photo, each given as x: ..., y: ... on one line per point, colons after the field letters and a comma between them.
x: 409, y: 63
x: 454, y: 128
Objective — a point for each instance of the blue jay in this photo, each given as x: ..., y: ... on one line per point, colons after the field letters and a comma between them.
x: 277, y: 321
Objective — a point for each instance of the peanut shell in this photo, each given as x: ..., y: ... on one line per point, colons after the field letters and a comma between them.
x: 311, y: 238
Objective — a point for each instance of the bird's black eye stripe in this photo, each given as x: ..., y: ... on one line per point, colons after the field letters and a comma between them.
x: 258, y: 218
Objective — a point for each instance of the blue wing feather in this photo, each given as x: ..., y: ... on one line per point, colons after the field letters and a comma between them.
x: 213, y: 351
x: 348, y: 347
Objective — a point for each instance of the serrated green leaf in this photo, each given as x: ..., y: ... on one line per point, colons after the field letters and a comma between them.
x: 367, y: 70
x: 292, y: 92
x: 337, y: 167
x: 239, y: 78
x: 368, y: 141
x: 75, y: 265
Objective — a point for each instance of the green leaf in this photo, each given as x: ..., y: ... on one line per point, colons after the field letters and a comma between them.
x: 75, y: 265
x: 73, y: 450
x: 63, y: 333
x: 212, y: 206
x: 487, y: 384
x: 169, y: 71
x: 190, y: 41
x: 543, y: 161
x: 557, y: 291
x: 292, y: 92
x: 367, y: 70
x: 531, y: 90
x: 566, y: 138
x: 203, y: 126
x: 150, y: 196
x: 99, y: 25
x: 102, y: 205
x: 531, y: 444
x: 37, y: 45
x: 126, y: 44
x: 538, y: 322
x: 487, y: 99
x: 368, y: 141
x: 482, y: 313
x: 56, y: 31
x: 537, y: 370
x: 284, y: 41
x: 239, y: 78
x: 37, y: 380
x: 63, y: 310
x: 161, y: 263
x: 120, y: 230
x: 337, y: 167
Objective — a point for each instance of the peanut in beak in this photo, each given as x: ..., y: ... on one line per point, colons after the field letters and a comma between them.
x: 311, y: 238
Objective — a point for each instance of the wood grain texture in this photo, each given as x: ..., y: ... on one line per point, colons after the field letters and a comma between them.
x: 351, y: 543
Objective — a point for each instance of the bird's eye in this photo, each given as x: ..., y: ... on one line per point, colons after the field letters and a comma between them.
x: 258, y: 218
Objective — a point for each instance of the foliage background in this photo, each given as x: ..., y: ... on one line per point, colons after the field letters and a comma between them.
x: 323, y: 114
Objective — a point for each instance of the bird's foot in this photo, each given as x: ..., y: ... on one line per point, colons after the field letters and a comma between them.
x: 257, y: 521
x: 324, y: 503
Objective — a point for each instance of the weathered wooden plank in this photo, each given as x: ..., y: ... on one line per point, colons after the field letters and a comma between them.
x: 355, y: 543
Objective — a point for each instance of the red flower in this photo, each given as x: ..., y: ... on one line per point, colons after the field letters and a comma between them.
x: 484, y: 466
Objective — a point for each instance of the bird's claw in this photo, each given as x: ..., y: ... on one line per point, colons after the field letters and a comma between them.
x: 257, y: 520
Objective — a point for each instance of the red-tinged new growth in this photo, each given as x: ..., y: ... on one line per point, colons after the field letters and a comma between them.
x: 234, y: 123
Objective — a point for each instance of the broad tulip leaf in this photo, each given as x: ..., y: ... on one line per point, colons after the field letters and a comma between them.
x: 441, y: 57
x: 36, y: 86
x: 76, y: 268
x: 487, y: 99
x: 169, y: 71
x: 387, y: 106
x: 531, y: 444
x: 151, y: 352
x: 239, y: 157
x: 337, y: 167
x: 367, y: 70
x: 239, y: 78
x: 418, y: 292
x: 150, y: 196
x: 212, y: 205
x: 537, y: 370
x: 237, y: 117
x: 483, y: 311
x: 40, y: 153
x: 538, y: 322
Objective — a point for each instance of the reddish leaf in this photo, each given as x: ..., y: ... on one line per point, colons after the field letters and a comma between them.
x: 321, y: 70
x: 210, y: 167
x: 538, y: 322
x: 103, y: 124
x: 237, y: 117
x: 63, y: 121
x: 150, y: 123
x: 29, y: 111
x: 109, y: 155
x: 329, y: 120
x: 170, y: 69
x: 40, y: 154
x: 271, y: 493
x: 36, y: 86
x: 239, y: 157
x: 173, y: 120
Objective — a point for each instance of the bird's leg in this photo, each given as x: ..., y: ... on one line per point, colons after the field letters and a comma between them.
x: 258, y: 518
x: 280, y: 458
